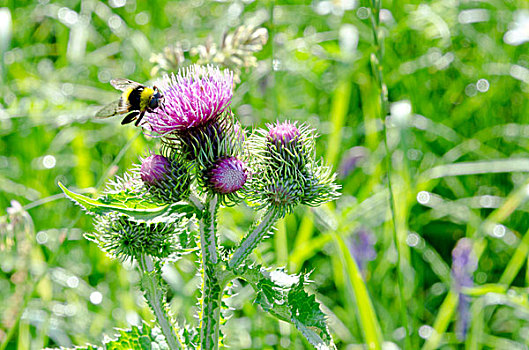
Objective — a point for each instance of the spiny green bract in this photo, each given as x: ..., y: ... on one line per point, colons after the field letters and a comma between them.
x: 285, y: 172
x: 126, y: 239
x: 205, y: 145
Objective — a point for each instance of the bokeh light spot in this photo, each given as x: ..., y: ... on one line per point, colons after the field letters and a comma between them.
x: 483, y: 85
x: 423, y: 197
x: 96, y: 298
x: 425, y: 331
x: 72, y: 282
x: 49, y: 161
x: 42, y: 237
x: 499, y: 231
x: 363, y: 12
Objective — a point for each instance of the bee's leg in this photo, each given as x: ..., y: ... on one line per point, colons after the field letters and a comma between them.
x: 139, y: 118
x: 129, y: 118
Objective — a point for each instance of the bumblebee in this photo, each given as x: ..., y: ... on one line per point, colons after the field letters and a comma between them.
x: 135, y: 100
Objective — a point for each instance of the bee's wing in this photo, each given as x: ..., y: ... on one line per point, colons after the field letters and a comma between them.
x: 124, y: 84
x: 111, y: 110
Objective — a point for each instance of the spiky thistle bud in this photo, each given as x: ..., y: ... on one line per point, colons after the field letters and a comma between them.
x: 125, y: 239
x: 227, y: 175
x: 285, y: 171
x: 286, y: 144
x: 167, y: 178
x: 154, y: 169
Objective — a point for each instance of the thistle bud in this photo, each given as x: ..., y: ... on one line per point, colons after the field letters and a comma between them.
x: 154, y: 169
x: 167, y: 179
x: 126, y: 239
x: 228, y: 175
x: 285, y: 172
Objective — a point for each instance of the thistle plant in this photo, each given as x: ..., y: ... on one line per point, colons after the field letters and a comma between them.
x: 149, y: 215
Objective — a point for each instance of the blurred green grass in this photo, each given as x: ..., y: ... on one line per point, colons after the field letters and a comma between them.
x: 457, y: 134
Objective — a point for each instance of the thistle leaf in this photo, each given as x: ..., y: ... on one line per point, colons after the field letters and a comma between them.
x: 136, y: 208
x: 284, y: 296
x: 142, y: 338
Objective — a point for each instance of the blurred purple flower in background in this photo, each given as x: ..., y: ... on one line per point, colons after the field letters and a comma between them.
x: 195, y: 96
x: 350, y: 160
x: 464, y: 264
x: 362, y: 247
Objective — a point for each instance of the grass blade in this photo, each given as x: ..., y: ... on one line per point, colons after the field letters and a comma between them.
x: 368, y: 319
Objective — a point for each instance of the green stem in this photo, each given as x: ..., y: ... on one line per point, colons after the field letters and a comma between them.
x: 376, y: 60
x: 155, y: 297
x: 516, y: 262
x: 208, y: 231
x: 251, y: 240
x: 212, y: 289
x: 196, y: 202
x: 444, y: 316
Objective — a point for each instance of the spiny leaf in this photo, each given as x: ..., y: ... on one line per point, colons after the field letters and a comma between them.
x: 137, y: 209
x: 138, y: 337
x: 143, y: 338
x: 284, y: 296
x: 307, y: 316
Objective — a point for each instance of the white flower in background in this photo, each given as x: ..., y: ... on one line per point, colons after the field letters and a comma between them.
x: 519, y: 32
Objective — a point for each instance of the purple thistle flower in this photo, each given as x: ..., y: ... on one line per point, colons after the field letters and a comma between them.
x: 464, y: 264
x: 154, y: 168
x: 283, y: 133
x: 195, y: 96
x: 228, y: 175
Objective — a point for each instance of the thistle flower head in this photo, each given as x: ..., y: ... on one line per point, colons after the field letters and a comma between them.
x: 166, y: 177
x: 228, y: 175
x: 195, y: 96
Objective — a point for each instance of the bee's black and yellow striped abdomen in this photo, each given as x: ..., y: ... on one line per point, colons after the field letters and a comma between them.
x: 135, y: 100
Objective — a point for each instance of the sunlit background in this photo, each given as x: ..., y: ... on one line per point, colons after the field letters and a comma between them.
x: 457, y: 74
